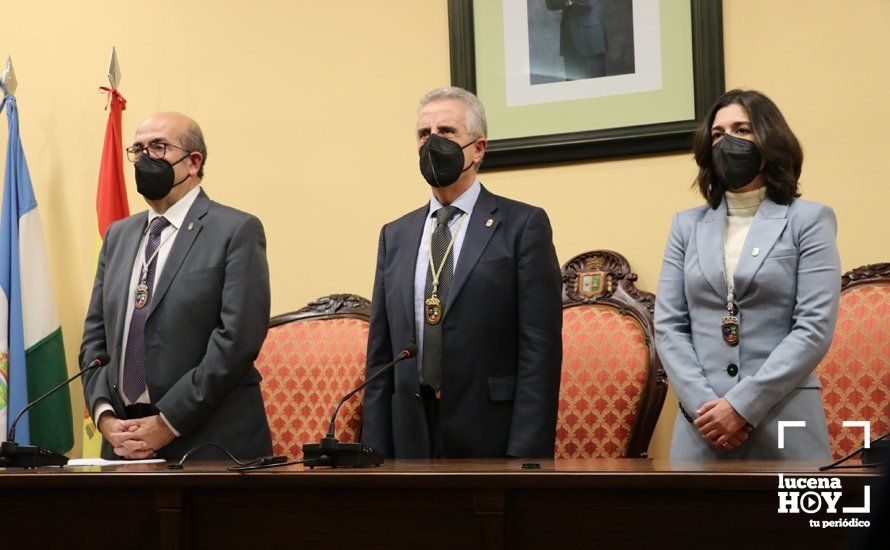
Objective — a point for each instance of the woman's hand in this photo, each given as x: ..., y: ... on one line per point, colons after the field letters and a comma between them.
x: 720, y: 424
x: 735, y: 440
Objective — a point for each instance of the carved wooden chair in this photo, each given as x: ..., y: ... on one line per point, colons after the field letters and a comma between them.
x: 613, y: 384
x: 310, y: 359
x: 855, y: 373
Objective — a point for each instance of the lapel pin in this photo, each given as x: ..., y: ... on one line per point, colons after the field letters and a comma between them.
x: 192, y: 226
x: 755, y: 252
x: 489, y: 223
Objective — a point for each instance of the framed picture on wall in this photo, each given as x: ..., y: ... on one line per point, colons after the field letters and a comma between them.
x: 568, y: 80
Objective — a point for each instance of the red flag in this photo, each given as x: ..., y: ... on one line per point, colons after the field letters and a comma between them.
x: 111, y: 197
x: 111, y: 205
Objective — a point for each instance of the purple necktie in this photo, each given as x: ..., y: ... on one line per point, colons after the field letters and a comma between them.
x: 134, y: 365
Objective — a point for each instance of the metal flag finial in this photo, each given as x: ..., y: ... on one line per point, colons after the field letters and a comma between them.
x: 9, y: 83
x: 114, y: 69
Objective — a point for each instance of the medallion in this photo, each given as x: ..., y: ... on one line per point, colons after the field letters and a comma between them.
x: 731, y: 330
x: 141, y: 295
x: 433, y: 310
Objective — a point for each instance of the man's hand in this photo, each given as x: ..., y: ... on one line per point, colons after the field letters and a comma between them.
x: 135, y: 439
x: 111, y: 428
x: 720, y: 424
x: 147, y: 435
x: 120, y: 434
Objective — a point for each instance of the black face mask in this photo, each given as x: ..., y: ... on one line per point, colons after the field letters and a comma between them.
x: 736, y: 161
x: 442, y: 160
x: 154, y: 177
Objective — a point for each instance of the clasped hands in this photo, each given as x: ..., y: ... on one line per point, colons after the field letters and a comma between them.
x: 138, y: 438
x: 721, y: 425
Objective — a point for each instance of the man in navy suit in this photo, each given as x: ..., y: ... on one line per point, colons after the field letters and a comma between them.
x: 472, y: 278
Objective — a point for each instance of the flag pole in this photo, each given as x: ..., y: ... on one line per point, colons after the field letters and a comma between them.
x: 9, y: 82
x: 111, y: 204
x: 114, y: 69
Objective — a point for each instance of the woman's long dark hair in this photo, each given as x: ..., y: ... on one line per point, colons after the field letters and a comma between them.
x: 774, y: 139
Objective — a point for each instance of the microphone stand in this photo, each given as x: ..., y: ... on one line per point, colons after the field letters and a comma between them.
x: 336, y: 454
x: 877, y: 453
x: 13, y: 455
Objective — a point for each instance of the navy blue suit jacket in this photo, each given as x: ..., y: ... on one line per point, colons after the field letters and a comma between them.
x: 502, y: 338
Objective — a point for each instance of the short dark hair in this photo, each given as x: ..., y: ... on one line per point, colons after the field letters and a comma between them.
x: 192, y: 140
x: 777, y: 144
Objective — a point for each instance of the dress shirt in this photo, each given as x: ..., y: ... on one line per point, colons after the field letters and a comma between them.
x: 465, y: 202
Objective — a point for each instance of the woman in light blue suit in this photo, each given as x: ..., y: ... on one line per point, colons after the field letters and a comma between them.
x: 748, y: 294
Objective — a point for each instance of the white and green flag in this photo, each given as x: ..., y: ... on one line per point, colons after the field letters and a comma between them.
x: 32, y: 356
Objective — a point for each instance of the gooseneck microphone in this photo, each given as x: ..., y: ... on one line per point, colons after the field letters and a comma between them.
x: 333, y: 453
x: 13, y: 455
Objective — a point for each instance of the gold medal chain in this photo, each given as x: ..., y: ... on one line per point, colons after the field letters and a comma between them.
x: 433, y: 269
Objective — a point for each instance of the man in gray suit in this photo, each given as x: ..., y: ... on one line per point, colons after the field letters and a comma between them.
x: 582, y: 37
x: 181, y: 306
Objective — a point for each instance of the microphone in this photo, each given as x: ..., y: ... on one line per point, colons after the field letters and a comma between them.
x: 333, y: 453
x: 13, y: 455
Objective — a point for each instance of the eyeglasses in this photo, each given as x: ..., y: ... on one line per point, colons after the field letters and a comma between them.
x: 156, y: 150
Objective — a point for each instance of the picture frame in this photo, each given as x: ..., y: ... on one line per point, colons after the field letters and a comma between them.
x: 700, y: 81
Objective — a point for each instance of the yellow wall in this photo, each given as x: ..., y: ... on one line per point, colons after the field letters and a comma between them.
x: 308, y: 111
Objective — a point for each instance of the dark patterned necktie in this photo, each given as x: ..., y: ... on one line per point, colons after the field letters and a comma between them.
x: 432, y: 334
x: 134, y: 364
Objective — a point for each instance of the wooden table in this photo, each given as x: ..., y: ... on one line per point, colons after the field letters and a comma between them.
x: 463, y: 504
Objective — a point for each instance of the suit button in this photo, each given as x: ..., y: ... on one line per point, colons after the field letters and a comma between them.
x: 114, y: 387
x: 732, y: 369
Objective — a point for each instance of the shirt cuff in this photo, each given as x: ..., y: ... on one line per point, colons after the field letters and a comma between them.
x: 102, y: 406
x: 169, y: 425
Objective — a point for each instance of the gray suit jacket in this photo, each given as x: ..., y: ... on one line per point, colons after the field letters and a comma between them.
x: 206, y: 324
x: 787, y: 286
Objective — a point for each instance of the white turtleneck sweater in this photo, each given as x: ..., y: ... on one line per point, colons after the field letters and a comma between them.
x: 740, y: 210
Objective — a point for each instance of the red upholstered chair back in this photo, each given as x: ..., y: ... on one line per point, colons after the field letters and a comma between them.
x: 310, y: 359
x: 855, y: 372
x: 613, y: 385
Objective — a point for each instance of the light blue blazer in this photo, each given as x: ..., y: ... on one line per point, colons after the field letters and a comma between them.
x: 787, y: 287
